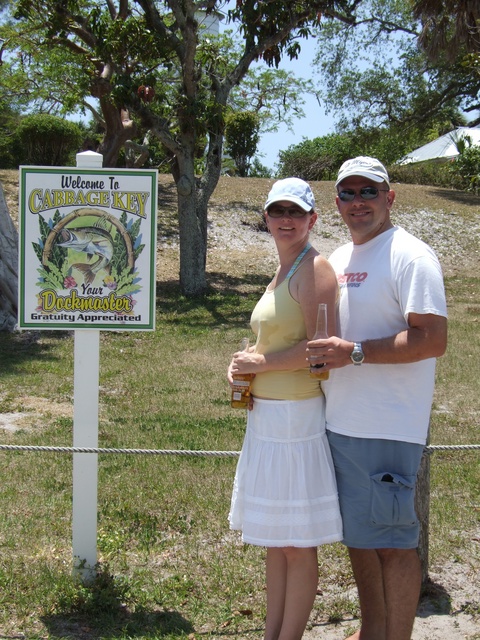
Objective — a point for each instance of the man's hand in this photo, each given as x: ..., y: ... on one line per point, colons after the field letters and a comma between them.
x: 332, y: 352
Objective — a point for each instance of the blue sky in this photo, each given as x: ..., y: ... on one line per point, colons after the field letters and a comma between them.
x: 315, y: 123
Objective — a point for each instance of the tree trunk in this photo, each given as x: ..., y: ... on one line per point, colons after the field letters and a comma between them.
x: 8, y: 268
x: 192, y: 213
x: 193, y: 197
x: 422, y: 504
x: 119, y: 127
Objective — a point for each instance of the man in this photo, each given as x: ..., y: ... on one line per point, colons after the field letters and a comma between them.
x: 392, y: 323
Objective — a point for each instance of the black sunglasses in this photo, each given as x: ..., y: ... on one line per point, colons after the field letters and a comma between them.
x: 366, y: 193
x: 277, y: 211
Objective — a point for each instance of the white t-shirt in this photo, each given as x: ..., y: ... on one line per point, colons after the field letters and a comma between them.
x: 381, y: 282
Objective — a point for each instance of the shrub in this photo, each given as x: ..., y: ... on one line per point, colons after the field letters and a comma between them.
x: 241, y: 139
x: 9, y: 145
x: 434, y: 173
x: 259, y: 170
x: 317, y: 159
x: 48, y: 140
x: 466, y: 169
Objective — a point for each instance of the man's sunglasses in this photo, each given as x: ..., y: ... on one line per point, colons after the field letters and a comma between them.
x: 277, y: 211
x: 366, y: 193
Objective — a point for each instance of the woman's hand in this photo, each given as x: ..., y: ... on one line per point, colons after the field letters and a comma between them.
x: 243, y: 362
x: 246, y: 362
x: 229, y: 374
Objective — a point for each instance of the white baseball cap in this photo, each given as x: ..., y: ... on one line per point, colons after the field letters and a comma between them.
x: 363, y: 166
x: 294, y: 190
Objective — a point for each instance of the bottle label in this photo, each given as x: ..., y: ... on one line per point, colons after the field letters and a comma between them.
x: 241, y: 384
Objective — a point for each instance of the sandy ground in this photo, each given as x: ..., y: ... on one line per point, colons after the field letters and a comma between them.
x: 449, y: 611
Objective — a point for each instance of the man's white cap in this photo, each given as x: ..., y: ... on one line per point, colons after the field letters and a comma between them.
x: 363, y: 166
x: 294, y: 190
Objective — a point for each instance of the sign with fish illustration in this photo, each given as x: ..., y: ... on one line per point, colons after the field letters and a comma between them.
x: 87, y: 248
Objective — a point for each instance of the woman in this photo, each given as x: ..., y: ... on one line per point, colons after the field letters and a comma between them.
x: 284, y: 495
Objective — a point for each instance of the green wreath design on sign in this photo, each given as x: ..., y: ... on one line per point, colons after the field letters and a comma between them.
x: 89, y: 246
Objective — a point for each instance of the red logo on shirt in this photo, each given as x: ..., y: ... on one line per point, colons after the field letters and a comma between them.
x: 351, y: 279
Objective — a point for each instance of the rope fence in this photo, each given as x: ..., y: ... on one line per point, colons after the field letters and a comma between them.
x: 185, y: 452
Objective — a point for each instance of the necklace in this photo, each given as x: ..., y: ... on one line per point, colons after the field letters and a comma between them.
x: 307, y: 247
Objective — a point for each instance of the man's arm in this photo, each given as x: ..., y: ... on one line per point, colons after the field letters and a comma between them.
x: 426, y: 337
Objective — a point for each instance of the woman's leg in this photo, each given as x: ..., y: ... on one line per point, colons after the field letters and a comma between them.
x: 301, y: 589
x: 292, y: 580
x: 276, y: 585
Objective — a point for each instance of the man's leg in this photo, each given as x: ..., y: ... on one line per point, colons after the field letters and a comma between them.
x: 388, y: 582
x: 367, y: 571
x: 388, y: 579
x: 402, y: 580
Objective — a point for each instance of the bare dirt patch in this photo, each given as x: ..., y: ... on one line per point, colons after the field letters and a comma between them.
x: 34, y: 411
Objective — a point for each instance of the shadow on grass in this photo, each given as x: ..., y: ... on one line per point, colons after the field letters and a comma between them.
x: 460, y: 197
x: 22, y: 346
x: 123, y: 624
x: 167, y: 194
x: 217, y: 283
x: 108, y: 608
x: 168, y: 624
x: 167, y: 220
x: 228, y: 301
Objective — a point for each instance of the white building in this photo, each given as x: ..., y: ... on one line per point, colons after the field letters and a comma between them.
x: 445, y: 147
x: 209, y: 23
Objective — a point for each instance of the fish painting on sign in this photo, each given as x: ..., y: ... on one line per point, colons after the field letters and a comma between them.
x: 89, y: 249
x: 95, y: 242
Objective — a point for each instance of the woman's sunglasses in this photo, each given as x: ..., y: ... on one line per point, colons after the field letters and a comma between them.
x: 366, y: 193
x: 277, y: 211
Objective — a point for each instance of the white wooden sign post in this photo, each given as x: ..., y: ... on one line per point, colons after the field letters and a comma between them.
x: 87, y: 263
x: 85, y: 465
x: 85, y: 434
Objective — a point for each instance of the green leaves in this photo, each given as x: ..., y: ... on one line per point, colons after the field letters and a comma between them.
x: 276, y: 24
x: 373, y: 73
x: 242, y: 135
x: 57, y: 254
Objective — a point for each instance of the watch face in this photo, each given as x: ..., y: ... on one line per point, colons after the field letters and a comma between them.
x: 357, y: 355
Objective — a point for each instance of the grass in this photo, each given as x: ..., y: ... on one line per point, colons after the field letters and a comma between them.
x: 168, y: 565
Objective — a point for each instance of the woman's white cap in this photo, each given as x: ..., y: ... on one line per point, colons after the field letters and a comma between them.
x: 294, y: 190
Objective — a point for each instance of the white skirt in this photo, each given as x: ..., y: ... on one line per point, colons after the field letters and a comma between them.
x: 285, y: 493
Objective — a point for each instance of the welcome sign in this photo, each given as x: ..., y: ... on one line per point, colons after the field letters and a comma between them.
x: 87, y: 248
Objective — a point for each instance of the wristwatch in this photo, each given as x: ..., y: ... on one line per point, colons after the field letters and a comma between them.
x: 357, y: 356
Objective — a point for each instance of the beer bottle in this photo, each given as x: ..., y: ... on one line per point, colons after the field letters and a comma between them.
x: 241, y: 384
x: 321, y: 332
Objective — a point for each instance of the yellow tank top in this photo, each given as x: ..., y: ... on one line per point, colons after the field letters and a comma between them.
x: 277, y: 321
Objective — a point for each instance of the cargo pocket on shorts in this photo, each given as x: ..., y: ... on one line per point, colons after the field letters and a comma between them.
x: 392, y: 500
